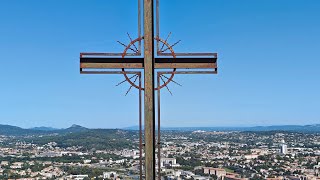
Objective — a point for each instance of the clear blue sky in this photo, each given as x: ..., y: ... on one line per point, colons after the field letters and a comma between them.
x: 268, y: 62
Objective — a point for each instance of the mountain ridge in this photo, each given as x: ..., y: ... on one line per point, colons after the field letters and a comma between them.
x: 44, y: 128
x: 10, y: 130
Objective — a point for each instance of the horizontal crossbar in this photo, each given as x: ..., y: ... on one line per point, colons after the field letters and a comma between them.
x: 132, y: 63
x: 215, y: 55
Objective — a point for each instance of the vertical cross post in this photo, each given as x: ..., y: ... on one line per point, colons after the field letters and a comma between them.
x: 149, y: 104
x: 148, y: 63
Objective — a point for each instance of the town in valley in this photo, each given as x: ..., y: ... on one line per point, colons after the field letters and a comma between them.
x: 81, y: 153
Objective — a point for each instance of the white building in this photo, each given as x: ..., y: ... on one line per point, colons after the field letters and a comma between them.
x: 4, y: 163
x: 120, y: 161
x: 130, y: 153
x: 17, y: 165
x: 216, y: 171
x: 110, y: 175
x: 251, y: 156
x: 87, y: 161
x: 172, y: 162
x: 284, y: 149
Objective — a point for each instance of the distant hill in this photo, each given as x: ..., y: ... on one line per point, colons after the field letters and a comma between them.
x: 43, y: 128
x: 90, y: 139
x: 16, y: 131
x: 9, y: 130
x: 75, y: 128
x: 73, y: 136
x: 295, y: 128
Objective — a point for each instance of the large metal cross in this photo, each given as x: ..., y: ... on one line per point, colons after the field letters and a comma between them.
x: 166, y: 58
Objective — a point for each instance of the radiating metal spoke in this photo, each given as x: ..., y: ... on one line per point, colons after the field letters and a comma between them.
x: 171, y: 46
x: 133, y: 43
x: 166, y: 85
x: 127, y: 46
x: 171, y: 80
x: 165, y: 41
x: 131, y: 86
x: 126, y: 79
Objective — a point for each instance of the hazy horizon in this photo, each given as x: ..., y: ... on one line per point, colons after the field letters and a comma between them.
x: 235, y: 126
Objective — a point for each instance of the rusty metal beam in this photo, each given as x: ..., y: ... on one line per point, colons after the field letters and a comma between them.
x: 139, y: 24
x: 141, y: 60
x: 157, y: 24
x: 109, y: 72
x: 137, y: 72
x: 186, y: 60
x: 111, y: 65
x: 149, y: 110
x: 186, y: 65
x: 110, y: 60
x: 159, y: 127
x: 214, y: 55
x: 140, y: 127
x: 99, y: 54
x: 140, y: 65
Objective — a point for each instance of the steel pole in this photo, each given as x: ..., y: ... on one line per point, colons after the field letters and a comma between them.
x: 159, y: 127
x: 140, y: 127
x: 149, y: 110
x: 157, y: 24
x: 139, y: 24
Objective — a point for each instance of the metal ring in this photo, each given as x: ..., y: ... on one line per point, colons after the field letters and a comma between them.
x: 140, y: 39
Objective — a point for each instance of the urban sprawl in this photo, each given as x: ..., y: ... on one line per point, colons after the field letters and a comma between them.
x: 195, y: 155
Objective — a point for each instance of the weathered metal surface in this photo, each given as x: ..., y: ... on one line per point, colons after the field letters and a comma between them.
x: 141, y: 60
x: 157, y: 24
x: 140, y: 127
x: 108, y: 72
x: 111, y: 65
x: 149, y: 111
x: 110, y: 60
x: 140, y: 39
x: 133, y: 63
x: 214, y: 55
x: 185, y: 65
x: 185, y: 60
x: 140, y: 65
x: 98, y: 54
x: 136, y: 72
x: 159, y: 127
x: 139, y: 24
